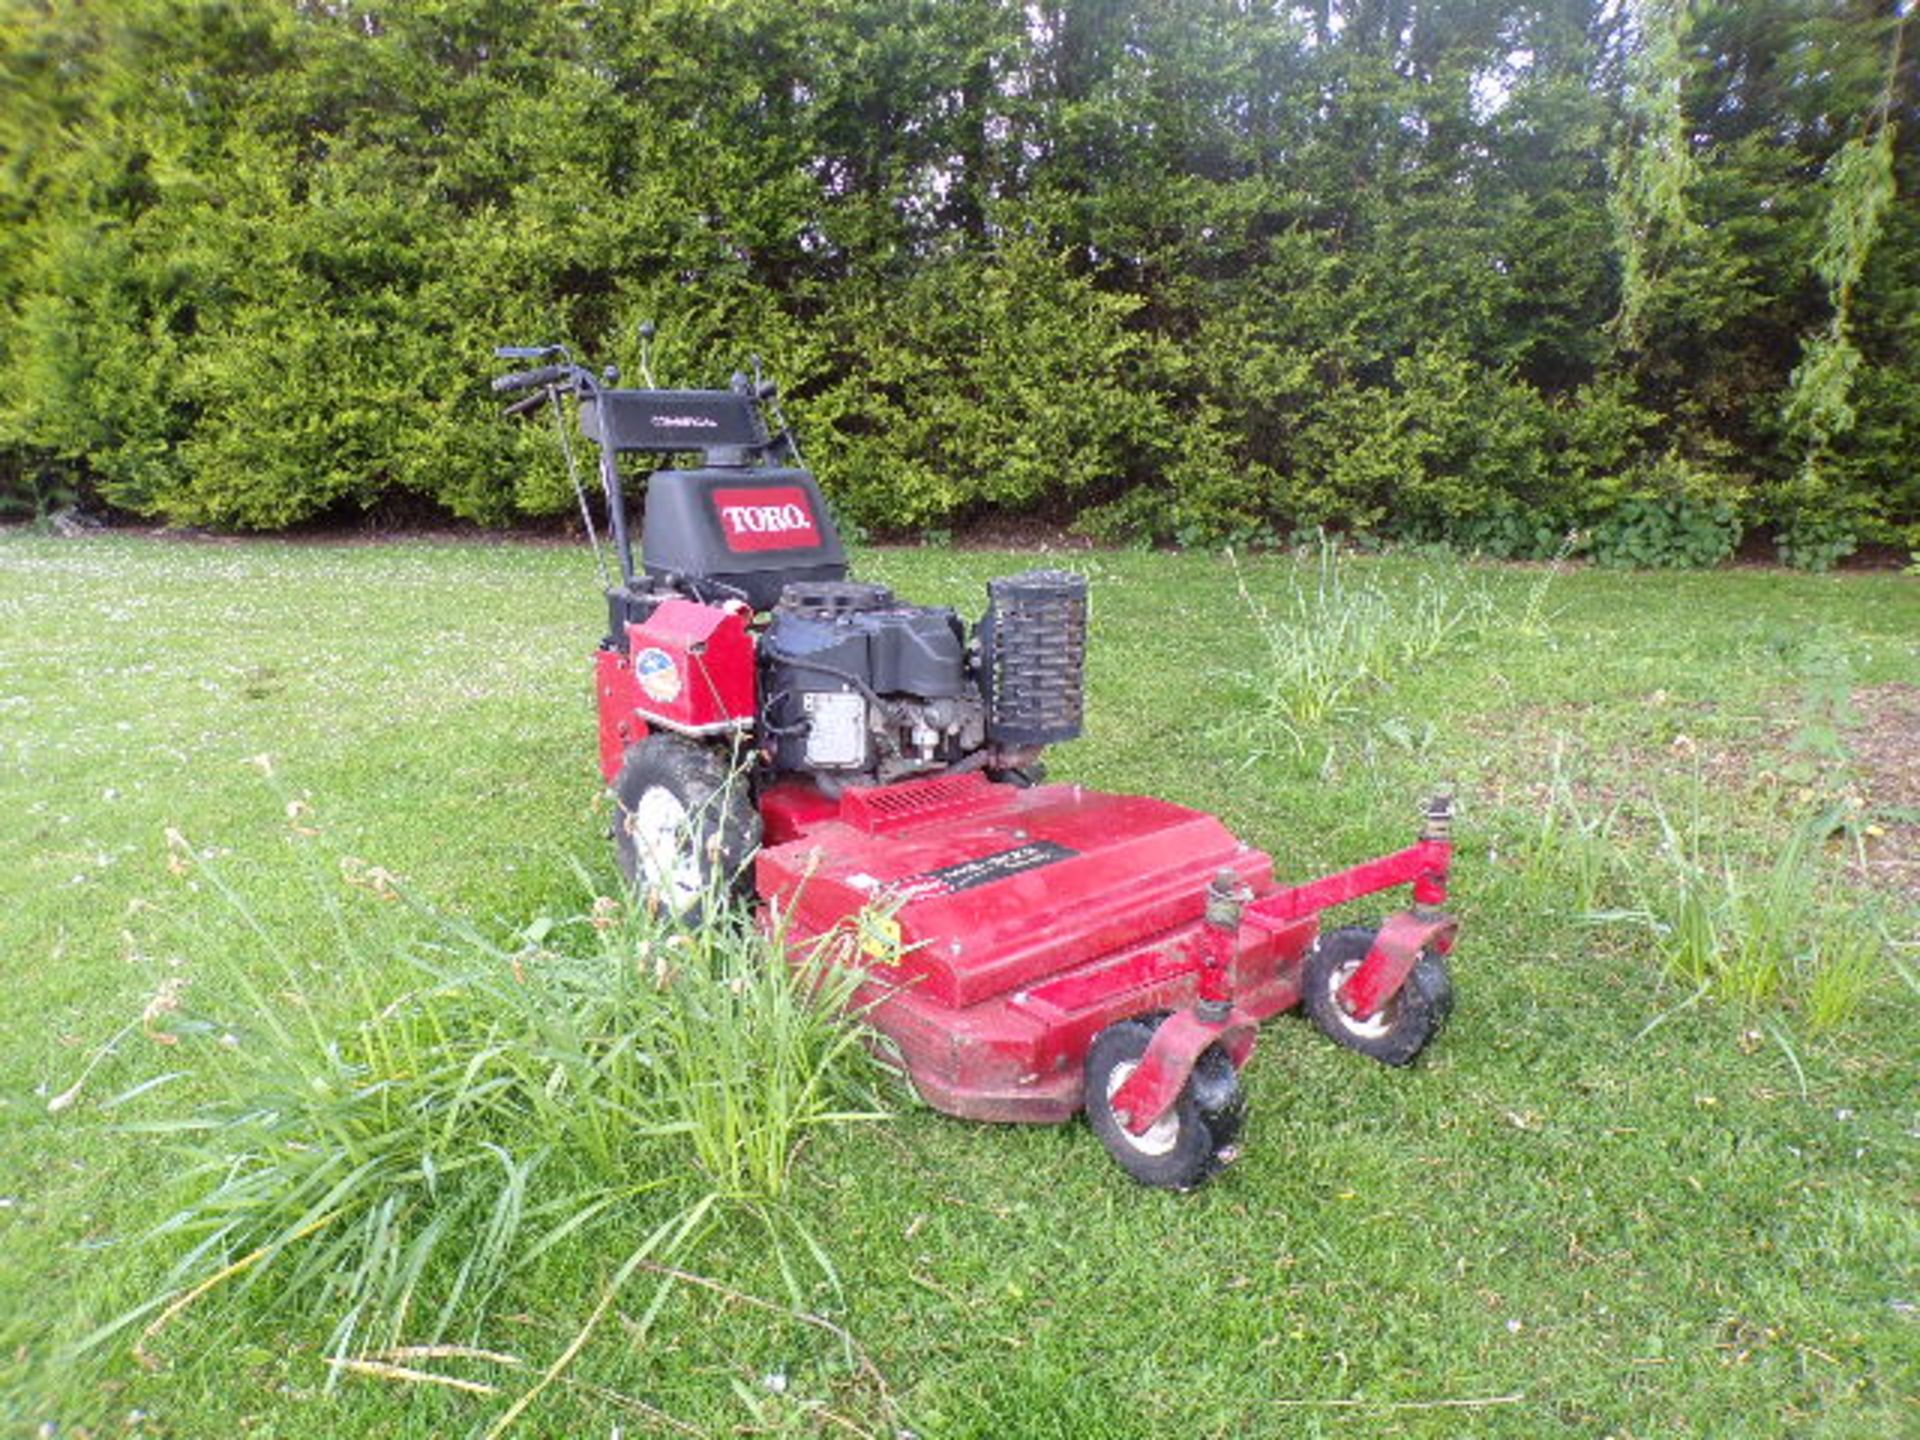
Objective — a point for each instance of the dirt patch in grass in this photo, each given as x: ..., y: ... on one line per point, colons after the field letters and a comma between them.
x: 1631, y: 754
x: 1886, y: 749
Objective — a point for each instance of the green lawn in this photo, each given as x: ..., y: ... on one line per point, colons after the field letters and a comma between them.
x: 1610, y: 1201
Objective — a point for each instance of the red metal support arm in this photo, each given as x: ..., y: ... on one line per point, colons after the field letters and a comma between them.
x: 1423, y: 865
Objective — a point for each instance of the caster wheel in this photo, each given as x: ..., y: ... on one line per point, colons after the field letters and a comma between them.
x: 1195, y: 1138
x: 1402, y: 1027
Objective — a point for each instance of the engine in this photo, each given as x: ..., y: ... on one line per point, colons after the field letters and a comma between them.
x: 858, y: 687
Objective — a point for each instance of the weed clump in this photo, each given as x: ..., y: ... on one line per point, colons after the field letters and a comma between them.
x: 398, y: 1130
x: 1750, y: 934
x: 1754, y: 935
x: 1340, y: 636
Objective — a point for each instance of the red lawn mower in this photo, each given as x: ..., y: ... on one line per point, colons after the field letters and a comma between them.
x: 869, y: 770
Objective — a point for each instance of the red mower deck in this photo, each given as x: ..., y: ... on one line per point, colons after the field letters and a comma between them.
x: 1004, y: 928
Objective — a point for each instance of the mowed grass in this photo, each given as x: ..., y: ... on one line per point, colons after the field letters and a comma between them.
x: 1608, y: 1202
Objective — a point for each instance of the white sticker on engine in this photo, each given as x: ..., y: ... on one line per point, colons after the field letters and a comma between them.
x: 837, y: 734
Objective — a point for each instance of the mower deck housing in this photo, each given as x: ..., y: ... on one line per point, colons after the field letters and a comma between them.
x: 1003, y: 928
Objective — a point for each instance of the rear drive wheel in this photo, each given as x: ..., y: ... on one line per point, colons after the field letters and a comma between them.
x: 1402, y: 1027
x: 1193, y: 1139
x: 685, y: 829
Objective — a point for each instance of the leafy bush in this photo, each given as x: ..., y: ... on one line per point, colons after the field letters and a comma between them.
x: 999, y: 381
x: 1513, y: 533
x: 1125, y: 269
x: 1815, y: 538
x: 33, y: 490
x: 1669, y: 514
x: 1665, y: 534
x: 1815, y: 542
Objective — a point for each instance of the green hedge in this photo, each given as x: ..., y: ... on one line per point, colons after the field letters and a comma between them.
x: 1176, y: 270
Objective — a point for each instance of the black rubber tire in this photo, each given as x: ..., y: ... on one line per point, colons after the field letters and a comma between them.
x: 1203, y: 1125
x: 721, y: 825
x: 1405, y: 1025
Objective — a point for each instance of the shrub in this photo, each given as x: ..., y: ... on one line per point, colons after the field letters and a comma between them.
x: 1665, y: 534
x: 998, y: 381
x: 1667, y: 514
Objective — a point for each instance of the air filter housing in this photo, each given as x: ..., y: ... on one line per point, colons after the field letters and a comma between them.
x: 1033, y: 657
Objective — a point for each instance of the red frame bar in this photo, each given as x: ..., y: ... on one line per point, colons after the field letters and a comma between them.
x: 1396, y: 950
x: 1423, y: 865
x: 1177, y: 1045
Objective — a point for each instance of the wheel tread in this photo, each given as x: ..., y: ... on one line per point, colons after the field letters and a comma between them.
x: 1418, y: 1011
x: 1211, y: 1109
x: 724, y: 821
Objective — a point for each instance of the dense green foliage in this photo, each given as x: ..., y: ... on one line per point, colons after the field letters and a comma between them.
x: 1194, y: 270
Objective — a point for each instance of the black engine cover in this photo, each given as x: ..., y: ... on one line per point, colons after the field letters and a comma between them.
x: 854, y: 640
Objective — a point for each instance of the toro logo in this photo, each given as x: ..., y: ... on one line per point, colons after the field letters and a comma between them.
x: 773, y: 517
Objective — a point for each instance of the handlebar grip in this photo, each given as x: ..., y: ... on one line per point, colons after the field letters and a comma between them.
x: 527, y: 379
x: 526, y: 404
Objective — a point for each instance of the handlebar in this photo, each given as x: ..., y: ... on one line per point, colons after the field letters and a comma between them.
x: 527, y: 379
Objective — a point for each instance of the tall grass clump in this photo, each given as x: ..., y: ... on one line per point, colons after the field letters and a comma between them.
x: 1756, y: 934
x: 401, y: 1128
x: 1340, y: 634
x: 1573, y: 857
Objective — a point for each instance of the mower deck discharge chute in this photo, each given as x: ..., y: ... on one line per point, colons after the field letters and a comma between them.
x: 868, y: 772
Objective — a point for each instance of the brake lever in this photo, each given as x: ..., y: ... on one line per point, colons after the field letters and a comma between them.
x: 527, y: 404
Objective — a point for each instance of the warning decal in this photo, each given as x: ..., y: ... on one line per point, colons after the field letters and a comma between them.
x: 659, y: 676
x: 965, y: 875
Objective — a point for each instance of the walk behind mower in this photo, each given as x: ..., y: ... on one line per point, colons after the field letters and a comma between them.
x: 868, y: 770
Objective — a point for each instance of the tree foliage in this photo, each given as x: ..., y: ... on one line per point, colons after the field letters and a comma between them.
x: 1480, y: 271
